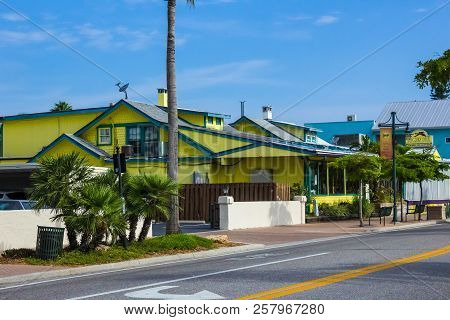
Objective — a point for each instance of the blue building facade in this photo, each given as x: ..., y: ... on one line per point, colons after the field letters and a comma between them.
x: 332, y: 129
x: 433, y: 117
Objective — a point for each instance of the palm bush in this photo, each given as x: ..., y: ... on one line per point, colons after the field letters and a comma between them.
x: 148, y: 196
x: 54, y: 184
x: 99, y: 214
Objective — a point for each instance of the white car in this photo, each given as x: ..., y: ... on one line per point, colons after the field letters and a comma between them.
x: 14, y: 200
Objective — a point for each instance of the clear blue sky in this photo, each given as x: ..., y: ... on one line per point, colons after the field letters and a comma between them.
x: 265, y: 52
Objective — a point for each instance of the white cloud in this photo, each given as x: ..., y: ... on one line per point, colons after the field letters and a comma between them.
x: 299, y: 17
x: 21, y: 37
x: 241, y: 72
x: 325, y: 20
x: 421, y: 10
x: 118, y: 37
x: 14, y: 17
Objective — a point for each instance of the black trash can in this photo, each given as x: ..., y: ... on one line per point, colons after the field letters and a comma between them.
x: 49, y: 243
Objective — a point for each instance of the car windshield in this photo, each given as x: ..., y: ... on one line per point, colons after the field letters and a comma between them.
x: 28, y: 205
x: 10, y: 205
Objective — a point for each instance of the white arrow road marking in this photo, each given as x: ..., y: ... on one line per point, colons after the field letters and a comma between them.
x: 260, y: 256
x: 154, y: 293
x: 196, y: 277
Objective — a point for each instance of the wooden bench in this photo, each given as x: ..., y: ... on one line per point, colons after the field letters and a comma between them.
x: 418, y: 209
x: 383, y: 213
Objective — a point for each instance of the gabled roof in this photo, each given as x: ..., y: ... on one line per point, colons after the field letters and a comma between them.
x: 153, y: 113
x: 419, y: 114
x: 321, y: 147
x: 270, y: 128
x: 276, y: 122
x: 83, y: 144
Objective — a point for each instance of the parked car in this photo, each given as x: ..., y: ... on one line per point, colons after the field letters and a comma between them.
x: 14, y: 200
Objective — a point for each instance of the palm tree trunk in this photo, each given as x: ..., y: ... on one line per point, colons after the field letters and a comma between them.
x: 361, y: 222
x: 71, y: 236
x: 173, y: 225
x: 133, y: 220
x: 145, y: 228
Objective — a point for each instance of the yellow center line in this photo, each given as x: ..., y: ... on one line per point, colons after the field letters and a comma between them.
x: 325, y: 281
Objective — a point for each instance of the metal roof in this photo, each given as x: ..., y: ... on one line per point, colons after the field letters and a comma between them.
x: 276, y: 131
x: 419, y: 114
x: 155, y: 112
x: 275, y: 122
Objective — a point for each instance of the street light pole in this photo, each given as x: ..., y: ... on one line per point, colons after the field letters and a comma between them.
x: 393, y: 124
x: 118, y: 170
x: 394, y: 169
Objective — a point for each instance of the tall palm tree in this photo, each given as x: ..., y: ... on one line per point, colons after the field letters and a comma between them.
x: 173, y: 224
x: 61, y: 106
x: 54, y: 183
x: 99, y: 214
x: 149, y: 196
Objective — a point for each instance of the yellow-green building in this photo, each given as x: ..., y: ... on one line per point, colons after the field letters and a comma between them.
x: 210, y: 151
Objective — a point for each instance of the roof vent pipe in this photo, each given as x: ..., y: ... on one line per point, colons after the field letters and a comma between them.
x: 243, y: 108
x: 267, y: 112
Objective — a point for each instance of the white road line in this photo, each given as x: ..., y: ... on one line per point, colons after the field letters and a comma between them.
x: 196, y: 277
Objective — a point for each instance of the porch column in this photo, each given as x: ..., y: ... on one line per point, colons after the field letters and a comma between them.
x: 328, y: 180
x: 345, y: 182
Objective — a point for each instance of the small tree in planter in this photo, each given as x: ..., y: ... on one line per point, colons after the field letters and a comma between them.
x: 149, y: 197
x: 360, y: 168
x: 419, y: 167
x: 54, y: 184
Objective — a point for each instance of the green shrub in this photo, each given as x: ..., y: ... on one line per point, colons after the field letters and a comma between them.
x: 168, y: 244
x: 368, y: 207
x: 298, y: 189
x: 334, y: 210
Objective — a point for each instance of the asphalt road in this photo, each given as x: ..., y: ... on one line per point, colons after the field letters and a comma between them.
x: 291, y: 268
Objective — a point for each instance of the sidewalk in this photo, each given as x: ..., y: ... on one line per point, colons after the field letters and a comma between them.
x: 285, y: 234
x: 255, y: 237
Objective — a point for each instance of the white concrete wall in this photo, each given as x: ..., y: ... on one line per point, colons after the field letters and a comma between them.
x: 244, y: 215
x: 18, y: 229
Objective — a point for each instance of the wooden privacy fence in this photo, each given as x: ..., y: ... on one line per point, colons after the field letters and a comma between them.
x: 195, y: 199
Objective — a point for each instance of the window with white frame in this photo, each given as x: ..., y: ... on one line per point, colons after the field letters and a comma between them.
x: 311, y: 138
x: 104, y: 136
x: 447, y: 140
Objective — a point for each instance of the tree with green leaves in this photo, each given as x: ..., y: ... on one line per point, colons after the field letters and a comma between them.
x: 54, y: 184
x: 173, y: 224
x: 360, y: 168
x: 61, y: 106
x: 149, y: 196
x: 436, y: 74
x: 419, y: 167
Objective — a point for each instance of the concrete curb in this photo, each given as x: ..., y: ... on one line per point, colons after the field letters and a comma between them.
x: 129, y: 265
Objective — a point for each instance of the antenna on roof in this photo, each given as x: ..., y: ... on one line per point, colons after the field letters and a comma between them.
x: 123, y: 88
